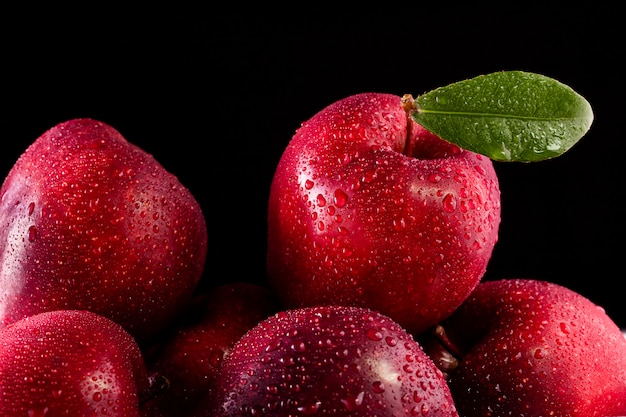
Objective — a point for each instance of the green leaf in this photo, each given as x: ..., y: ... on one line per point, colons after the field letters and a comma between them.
x: 507, y: 116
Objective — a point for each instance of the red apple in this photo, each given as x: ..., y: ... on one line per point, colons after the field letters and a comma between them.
x: 367, y: 208
x: 202, y: 336
x: 532, y: 348
x: 70, y: 363
x: 90, y: 221
x: 328, y: 361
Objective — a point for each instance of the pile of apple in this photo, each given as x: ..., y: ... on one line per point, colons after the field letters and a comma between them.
x: 379, y: 235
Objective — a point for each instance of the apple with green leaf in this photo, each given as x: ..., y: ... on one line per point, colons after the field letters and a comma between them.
x: 91, y: 221
x: 393, y: 203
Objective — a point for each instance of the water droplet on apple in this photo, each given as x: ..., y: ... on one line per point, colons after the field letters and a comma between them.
x: 353, y: 403
x: 449, y: 203
x: 31, y: 208
x: 340, y: 198
x: 539, y: 354
x: 32, y: 233
x: 374, y: 334
x: 321, y: 201
x: 378, y: 387
x: 434, y: 178
x: 417, y: 397
x: 391, y: 341
x: 308, y: 184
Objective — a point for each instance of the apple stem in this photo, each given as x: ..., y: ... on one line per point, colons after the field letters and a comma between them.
x: 441, y: 335
x: 410, y: 107
x: 442, y: 351
x: 158, y: 384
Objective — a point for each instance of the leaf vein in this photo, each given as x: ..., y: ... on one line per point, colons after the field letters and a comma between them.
x: 498, y: 115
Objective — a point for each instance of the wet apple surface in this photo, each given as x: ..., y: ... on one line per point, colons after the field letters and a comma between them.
x: 533, y: 347
x: 339, y: 361
x: 70, y: 363
x: 91, y: 221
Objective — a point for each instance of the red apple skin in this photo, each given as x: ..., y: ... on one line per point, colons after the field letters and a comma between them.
x: 328, y: 361
x: 534, y: 348
x: 70, y: 363
x: 202, y: 336
x: 90, y: 221
x: 367, y: 208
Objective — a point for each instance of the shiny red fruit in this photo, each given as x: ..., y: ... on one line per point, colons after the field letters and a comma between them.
x: 328, y: 361
x: 90, y: 221
x: 369, y: 209
x: 534, y: 348
x: 70, y: 363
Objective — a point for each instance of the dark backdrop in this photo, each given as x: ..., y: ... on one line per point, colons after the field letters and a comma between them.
x: 215, y: 97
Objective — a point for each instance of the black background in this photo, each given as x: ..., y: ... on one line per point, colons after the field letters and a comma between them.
x: 216, y: 96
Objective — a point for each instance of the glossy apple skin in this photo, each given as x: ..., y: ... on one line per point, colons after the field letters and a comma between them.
x: 367, y: 208
x: 201, y: 337
x: 69, y: 363
x: 90, y: 221
x: 534, y: 348
x: 328, y: 361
